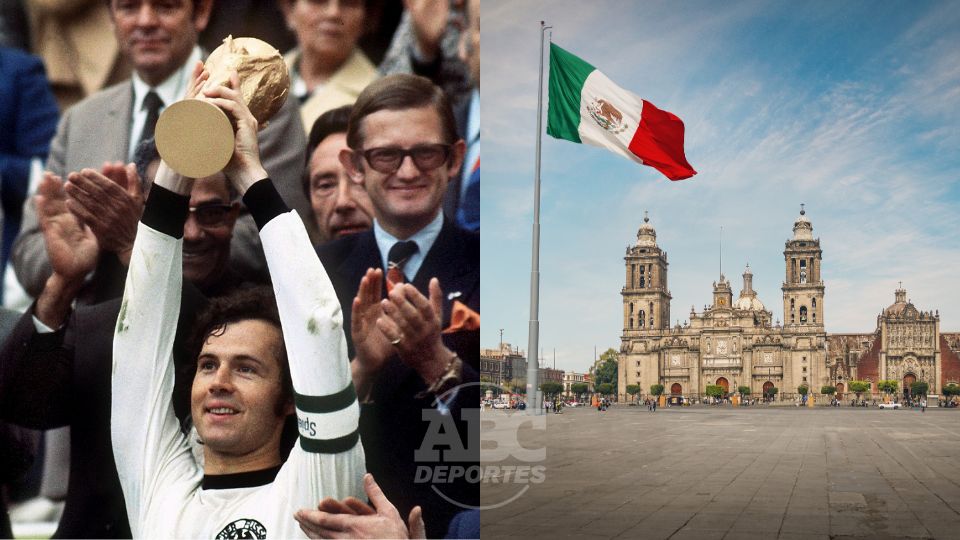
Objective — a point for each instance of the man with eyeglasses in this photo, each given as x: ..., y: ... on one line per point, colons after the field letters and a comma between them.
x: 403, y: 149
x: 55, y: 368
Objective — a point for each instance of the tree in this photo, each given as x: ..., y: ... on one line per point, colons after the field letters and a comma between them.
x: 551, y: 388
x: 633, y: 389
x: 803, y: 389
x: 715, y: 391
x: 656, y: 389
x: 951, y: 389
x: 888, y: 386
x: 919, y: 388
x: 743, y: 391
x: 859, y: 387
x: 579, y: 389
x: 606, y: 370
x: 772, y: 391
x: 829, y: 390
x: 605, y: 388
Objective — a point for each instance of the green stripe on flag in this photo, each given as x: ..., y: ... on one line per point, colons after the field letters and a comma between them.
x: 567, y: 75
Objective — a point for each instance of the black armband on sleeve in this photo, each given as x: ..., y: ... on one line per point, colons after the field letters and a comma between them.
x: 264, y: 202
x: 166, y: 211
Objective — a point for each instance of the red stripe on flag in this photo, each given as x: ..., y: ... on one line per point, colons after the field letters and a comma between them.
x: 659, y: 143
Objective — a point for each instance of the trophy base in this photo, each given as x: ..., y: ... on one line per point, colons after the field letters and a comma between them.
x: 194, y: 138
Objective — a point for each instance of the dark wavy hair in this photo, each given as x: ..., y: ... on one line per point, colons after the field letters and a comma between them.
x: 244, y: 304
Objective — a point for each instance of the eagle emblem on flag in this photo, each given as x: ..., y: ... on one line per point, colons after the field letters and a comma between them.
x: 606, y: 116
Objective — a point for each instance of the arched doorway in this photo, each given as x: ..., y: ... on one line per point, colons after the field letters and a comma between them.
x: 840, y: 390
x: 766, y: 390
x: 676, y: 389
x: 722, y: 381
x: 908, y: 379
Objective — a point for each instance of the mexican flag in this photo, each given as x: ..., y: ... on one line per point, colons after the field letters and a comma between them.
x: 587, y: 107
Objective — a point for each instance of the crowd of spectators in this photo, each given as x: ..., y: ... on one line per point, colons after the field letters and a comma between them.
x: 376, y: 150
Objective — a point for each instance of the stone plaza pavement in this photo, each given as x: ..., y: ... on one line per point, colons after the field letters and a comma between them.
x: 723, y: 472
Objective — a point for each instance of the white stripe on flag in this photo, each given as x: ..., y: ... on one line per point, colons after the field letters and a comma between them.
x: 597, y: 91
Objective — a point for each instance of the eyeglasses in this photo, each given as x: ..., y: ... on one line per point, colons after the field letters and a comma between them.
x: 426, y: 157
x: 211, y: 215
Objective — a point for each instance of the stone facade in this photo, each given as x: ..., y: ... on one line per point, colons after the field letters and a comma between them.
x: 737, y: 343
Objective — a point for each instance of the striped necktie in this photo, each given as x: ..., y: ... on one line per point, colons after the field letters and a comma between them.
x: 398, y: 256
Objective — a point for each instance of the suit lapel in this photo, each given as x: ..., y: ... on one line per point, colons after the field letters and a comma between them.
x: 365, y: 254
x: 447, y: 262
x: 120, y: 113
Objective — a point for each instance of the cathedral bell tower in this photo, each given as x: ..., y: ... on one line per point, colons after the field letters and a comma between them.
x: 646, y: 299
x: 803, y: 287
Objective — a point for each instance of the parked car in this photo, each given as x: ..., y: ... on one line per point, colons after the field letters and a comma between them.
x: 574, y: 404
x: 501, y: 405
x: 889, y: 405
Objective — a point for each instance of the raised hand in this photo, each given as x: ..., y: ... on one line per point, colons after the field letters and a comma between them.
x: 244, y: 167
x: 71, y: 245
x: 110, y: 202
x: 198, y: 77
x: 412, y: 324
x: 372, y: 348
x: 429, y: 21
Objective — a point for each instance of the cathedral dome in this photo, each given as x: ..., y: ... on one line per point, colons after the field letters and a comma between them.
x: 749, y: 303
x: 802, y: 228
x: 901, y: 306
x: 647, y: 235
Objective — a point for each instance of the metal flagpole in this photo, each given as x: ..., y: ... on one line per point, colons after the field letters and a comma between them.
x: 533, y: 328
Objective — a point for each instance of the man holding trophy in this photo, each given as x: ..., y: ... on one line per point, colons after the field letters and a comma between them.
x: 242, y: 390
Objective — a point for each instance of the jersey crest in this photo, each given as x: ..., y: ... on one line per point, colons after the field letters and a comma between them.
x: 243, y: 528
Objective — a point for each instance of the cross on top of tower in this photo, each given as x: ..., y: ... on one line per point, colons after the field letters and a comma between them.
x: 646, y: 218
x: 802, y: 211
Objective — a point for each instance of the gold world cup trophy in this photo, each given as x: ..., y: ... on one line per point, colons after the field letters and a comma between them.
x: 194, y: 136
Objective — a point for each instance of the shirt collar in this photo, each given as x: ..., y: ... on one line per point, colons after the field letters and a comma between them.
x: 170, y: 90
x: 424, y: 238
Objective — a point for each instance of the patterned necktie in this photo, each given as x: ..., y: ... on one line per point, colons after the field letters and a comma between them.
x: 398, y: 256
x: 153, y: 103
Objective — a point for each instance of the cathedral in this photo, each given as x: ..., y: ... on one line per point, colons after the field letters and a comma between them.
x: 734, y: 343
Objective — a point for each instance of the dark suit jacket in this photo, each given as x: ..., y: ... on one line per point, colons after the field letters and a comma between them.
x: 392, y: 427
x: 63, y: 379
x: 17, y: 447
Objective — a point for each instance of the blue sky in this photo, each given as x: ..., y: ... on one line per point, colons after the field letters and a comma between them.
x: 852, y: 108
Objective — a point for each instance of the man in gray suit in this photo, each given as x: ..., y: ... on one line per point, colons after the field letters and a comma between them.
x: 160, y: 41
